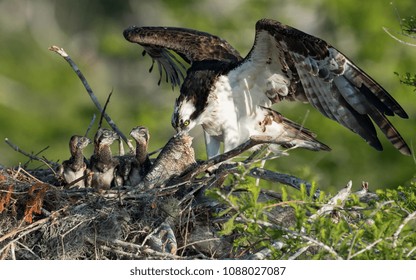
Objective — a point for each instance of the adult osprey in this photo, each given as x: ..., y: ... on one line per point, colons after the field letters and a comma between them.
x: 231, y: 96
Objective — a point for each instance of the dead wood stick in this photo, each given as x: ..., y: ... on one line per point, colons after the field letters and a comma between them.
x: 139, y: 248
x: 20, y: 169
x: 30, y: 156
x: 94, y: 99
x: 104, y: 109
x: 38, y: 153
x: 336, y: 202
x: 253, y: 141
x: 410, y: 217
x: 397, y: 39
x: 299, y: 252
x: 124, y: 244
x: 266, y: 252
x: 198, y: 242
x: 190, y: 172
x: 367, y: 248
x: 79, y: 179
x: 90, y: 125
x: 291, y: 233
x: 154, y: 253
x: 113, y: 250
x: 120, y: 252
x: 22, y: 232
x: 203, y: 166
x: 286, y: 179
x: 28, y: 249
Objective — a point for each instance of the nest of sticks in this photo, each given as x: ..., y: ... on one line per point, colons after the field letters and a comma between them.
x: 170, y: 218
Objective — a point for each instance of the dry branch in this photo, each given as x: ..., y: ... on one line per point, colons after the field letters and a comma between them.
x: 397, y: 39
x: 279, y: 178
x: 30, y: 156
x: 84, y: 81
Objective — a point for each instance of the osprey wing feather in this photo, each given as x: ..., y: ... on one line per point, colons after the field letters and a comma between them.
x: 321, y: 75
x: 284, y: 63
x: 191, y: 45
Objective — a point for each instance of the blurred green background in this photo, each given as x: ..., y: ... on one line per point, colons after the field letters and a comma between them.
x: 42, y: 102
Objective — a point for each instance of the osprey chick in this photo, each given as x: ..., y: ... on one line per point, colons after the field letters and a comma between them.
x: 102, y: 162
x: 141, y: 165
x: 76, y: 166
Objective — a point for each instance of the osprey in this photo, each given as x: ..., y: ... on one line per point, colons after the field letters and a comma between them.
x: 231, y: 96
x: 77, y: 165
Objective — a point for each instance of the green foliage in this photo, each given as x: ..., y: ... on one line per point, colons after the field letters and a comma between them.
x: 408, y: 28
x: 354, y: 228
x: 407, y: 79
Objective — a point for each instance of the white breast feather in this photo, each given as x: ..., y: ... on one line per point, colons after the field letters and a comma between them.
x: 241, y: 93
x: 239, y: 102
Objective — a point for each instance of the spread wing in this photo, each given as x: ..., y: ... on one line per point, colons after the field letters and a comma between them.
x: 190, y: 45
x: 315, y: 72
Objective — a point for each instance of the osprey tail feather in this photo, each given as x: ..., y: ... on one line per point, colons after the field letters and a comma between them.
x: 367, y: 97
x: 292, y: 135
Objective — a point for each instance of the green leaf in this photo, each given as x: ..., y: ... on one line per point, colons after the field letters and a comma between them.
x: 229, y: 225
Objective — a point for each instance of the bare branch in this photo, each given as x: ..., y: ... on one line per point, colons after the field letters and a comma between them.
x: 279, y: 177
x: 293, y: 233
x: 334, y: 203
x: 90, y: 125
x: 97, y: 104
x: 368, y: 247
x: 28, y: 229
x: 30, y: 156
x: 397, y: 39
x: 253, y: 141
x: 400, y: 228
x: 104, y: 109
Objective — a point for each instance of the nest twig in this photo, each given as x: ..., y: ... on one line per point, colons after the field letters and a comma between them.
x: 90, y: 92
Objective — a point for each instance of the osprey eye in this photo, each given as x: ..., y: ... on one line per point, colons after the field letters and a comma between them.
x: 186, y: 123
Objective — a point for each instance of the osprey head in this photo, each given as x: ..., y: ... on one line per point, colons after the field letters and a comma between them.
x: 105, y: 137
x: 193, y: 105
x: 82, y: 142
x: 185, y: 115
x: 140, y: 134
x: 78, y: 143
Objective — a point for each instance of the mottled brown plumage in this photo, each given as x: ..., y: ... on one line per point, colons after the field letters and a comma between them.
x: 293, y: 134
x: 175, y: 158
x: 141, y: 163
x: 332, y: 83
x: 123, y: 169
x: 102, y: 162
x: 223, y: 92
x: 190, y: 44
x: 76, y: 166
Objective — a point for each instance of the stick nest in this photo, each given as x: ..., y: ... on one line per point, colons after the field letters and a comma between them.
x: 43, y: 219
